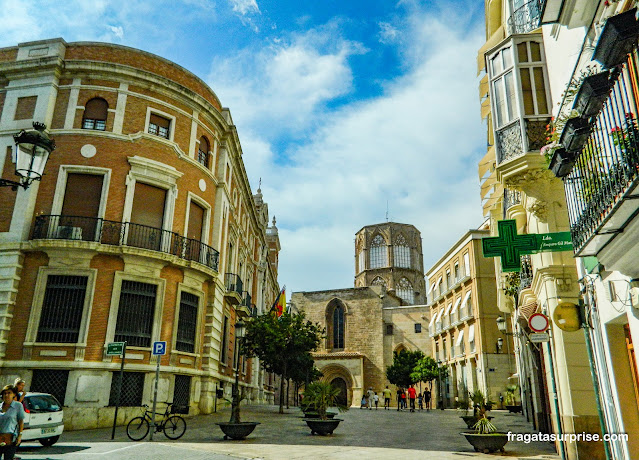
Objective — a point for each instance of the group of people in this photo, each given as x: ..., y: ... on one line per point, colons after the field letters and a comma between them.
x: 404, y: 397
x: 412, y: 397
x: 11, y: 419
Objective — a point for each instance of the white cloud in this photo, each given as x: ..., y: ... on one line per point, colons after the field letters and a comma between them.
x: 387, y: 33
x: 415, y: 146
x: 118, y: 31
x: 245, y: 7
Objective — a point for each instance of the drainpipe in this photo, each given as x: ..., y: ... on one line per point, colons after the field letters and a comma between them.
x: 555, y: 400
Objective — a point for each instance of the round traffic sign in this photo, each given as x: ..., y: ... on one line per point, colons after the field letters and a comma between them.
x: 538, y: 322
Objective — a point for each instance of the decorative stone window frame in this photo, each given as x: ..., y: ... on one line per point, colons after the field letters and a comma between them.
x: 120, y: 276
x: 198, y: 336
x: 154, y: 173
x: 61, y: 185
x: 206, y: 225
x: 171, y: 118
x: 37, y: 305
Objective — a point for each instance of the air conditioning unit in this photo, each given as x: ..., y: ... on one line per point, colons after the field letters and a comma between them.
x: 64, y: 232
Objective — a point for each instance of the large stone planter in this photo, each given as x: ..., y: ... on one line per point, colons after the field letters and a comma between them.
x: 322, y: 427
x: 514, y: 408
x: 471, y: 420
x: 312, y: 414
x: 237, y: 430
x: 487, y: 443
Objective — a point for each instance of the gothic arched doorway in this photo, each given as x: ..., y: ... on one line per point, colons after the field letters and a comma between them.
x: 340, y: 384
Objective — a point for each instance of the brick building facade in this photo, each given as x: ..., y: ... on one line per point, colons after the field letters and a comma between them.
x: 144, y: 228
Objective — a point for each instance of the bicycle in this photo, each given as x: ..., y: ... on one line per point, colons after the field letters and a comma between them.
x: 173, y: 426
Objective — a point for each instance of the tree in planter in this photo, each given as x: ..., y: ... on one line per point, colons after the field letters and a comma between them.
x: 404, y: 363
x: 282, y: 343
x: 303, y: 372
x: 323, y: 395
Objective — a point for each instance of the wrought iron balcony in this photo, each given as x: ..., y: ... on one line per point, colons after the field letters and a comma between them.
x: 526, y: 18
x: 512, y: 141
x: 602, y: 184
x: 233, y: 285
x: 90, y: 229
x: 526, y: 273
x: 244, y: 309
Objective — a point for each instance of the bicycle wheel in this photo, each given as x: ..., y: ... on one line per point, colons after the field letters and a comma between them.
x: 174, y: 427
x: 137, y: 428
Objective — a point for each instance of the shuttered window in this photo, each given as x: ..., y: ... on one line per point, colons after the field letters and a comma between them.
x: 187, y: 323
x: 62, y: 309
x: 203, y: 152
x: 95, y: 114
x: 135, y: 313
x: 159, y: 126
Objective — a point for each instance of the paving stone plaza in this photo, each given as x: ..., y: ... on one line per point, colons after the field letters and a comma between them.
x: 364, y: 434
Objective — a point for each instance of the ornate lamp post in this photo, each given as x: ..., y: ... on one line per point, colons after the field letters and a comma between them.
x: 30, y: 156
x: 240, y: 329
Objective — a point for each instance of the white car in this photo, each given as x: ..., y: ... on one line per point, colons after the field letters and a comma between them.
x: 43, y: 419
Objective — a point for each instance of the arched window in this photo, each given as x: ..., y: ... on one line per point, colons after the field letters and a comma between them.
x: 378, y: 281
x: 405, y: 291
x: 95, y: 114
x: 338, y: 327
x: 401, y: 252
x: 379, y: 255
x: 203, y: 152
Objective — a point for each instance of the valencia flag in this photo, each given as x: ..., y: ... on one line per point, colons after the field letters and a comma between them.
x: 279, y: 306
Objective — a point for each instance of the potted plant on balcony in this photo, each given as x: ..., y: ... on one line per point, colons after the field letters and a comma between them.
x: 484, y: 436
x: 322, y: 395
x: 511, y: 405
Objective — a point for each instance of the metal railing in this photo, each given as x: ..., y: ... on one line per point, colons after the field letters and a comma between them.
x: 233, y: 283
x: 115, y: 233
x: 511, y: 198
x: 526, y: 273
x: 607, y: 167
x: 525, y: 18
x: 246, y: 300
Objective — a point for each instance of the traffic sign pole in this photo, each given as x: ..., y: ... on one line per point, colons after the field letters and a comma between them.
x: 117, y: 399
x: 159, y: 349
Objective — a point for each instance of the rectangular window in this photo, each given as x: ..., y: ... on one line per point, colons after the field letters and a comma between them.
x: 401, y: 256
x: 456, y: 271
x: 182, y: 390
x: 25, y: 108
x: 362, y: 258
x: 147, y: 217
x: 62, y: 309
x: 389, y: 329
x: 418, y: 328
x: 79, y: 216
x: 187, y: 323
x: 132, y: 389
x: 467, y: 264
x: 225, y: 340
x: 159, y: 126
x: 50, y: 381
x: 448, y: 281
x: 135, y: 313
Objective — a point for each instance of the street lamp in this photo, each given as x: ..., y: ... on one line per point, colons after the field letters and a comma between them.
x: 240, y: 329
x: 500, y: 344
x: 30, y: 156
x: 501, y: 324
x: 440, y: 396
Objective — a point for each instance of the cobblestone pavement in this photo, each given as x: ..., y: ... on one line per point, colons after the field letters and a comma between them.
x: 364, y: 434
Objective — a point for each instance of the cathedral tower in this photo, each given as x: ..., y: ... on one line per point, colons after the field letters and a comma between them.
x: 390, y: 254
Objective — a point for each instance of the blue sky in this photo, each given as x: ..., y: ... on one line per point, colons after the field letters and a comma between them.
x: 341, y: 107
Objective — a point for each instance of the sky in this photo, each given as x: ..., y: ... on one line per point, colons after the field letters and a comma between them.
x: 351, y: 112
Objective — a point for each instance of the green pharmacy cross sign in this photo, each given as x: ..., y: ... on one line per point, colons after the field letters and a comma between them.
x: 510, y: 246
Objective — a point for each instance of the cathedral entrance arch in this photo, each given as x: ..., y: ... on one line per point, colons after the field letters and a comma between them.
x: 340, y: 384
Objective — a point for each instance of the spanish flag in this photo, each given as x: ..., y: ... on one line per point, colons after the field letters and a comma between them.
x: 279, y: 306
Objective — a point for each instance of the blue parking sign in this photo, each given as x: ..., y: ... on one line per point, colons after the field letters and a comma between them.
x: 159, y: 348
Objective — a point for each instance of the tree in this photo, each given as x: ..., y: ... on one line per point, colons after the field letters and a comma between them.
x: 282, y: 344
x: 404, y: 362
x: 425, y: 371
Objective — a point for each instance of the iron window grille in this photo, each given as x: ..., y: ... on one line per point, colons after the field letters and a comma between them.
x: 62, y: 309
x: 187, y: 323
x: 182, y: 391
x: 135, y: 313
x: 132, y: 389
x: 203, y: 158
x: 50, y: 381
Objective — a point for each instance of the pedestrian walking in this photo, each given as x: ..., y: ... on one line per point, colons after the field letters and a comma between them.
x: 370, y: 396
x: 399, y: 399
x: 420, y: 403
x: 427, y: 399
x: 403, y: 396
x: 18, y: 384
x: 363, y: 402
x: 412, y: 394
x: 11, y: 423
x: 387, y: 397
x: 376, y: 399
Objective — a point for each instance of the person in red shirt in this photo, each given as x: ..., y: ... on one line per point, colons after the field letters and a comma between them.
x: 411, y: 395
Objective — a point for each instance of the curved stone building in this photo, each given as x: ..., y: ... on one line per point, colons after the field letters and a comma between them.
x: 144, y: 228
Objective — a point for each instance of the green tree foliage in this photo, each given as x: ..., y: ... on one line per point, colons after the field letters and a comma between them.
x: 404, y: 363
x: 425, y: 371
x: 282, y: 344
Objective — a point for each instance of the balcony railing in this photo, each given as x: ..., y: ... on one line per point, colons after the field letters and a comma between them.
x: 60, y: 227
x: 233, y: 284
x: 606, y: 170
x: 512, y: 143
x: 246, y: 300
x: 525, y: 18
x: 526, y: 273
x: 511, y: 198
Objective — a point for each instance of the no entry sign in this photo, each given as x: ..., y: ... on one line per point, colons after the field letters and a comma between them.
x: 538, y: 322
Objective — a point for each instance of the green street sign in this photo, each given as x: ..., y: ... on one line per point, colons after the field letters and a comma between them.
x: 115, y: 348
x: 510, y: 246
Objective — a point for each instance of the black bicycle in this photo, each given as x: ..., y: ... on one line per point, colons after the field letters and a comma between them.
x: 173, y: 426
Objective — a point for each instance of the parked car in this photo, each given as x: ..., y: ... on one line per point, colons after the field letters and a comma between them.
x: 43, y: 420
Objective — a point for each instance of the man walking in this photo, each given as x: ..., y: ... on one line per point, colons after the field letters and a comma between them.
x: 371, y: 398
x: 412, y: 394
x: 427, y: 399
x: 387, y: 397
